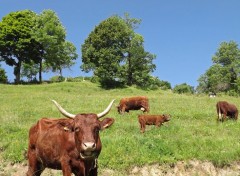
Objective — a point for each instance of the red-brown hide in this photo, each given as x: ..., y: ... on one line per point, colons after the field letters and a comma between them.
x: 157, y: 120
x: 225, y: 109
x: 70, y: 145
x: 133, y: 103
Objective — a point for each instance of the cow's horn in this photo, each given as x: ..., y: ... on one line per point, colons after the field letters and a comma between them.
x: 106, y: 110
x: 65, y: 113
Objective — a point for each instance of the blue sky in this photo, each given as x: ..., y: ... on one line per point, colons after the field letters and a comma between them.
x: 183, y: 34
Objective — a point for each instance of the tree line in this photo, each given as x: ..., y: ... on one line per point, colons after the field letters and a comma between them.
x: 34, y: 43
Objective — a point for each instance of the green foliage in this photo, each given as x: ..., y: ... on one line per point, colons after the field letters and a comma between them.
x: 29, y: 42
x: 17, y: 45
x: 3, y: 76
x: 57, y: 79
x: 115, y: 54
x: 183, y: 89
x: 30, y: 70
x: 57, y: 53
x: 103, y: 50
x: 223, y: 75
x: 192, y: 132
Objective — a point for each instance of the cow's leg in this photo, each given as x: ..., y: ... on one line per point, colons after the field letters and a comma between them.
x: 219, y: 118
x: 224, y: 117
x: 142, y: 124
x: 34, y: 167
x: 236, y: 116
x: 143, y: 127
x: 158, y: 124
x: 66, y: 169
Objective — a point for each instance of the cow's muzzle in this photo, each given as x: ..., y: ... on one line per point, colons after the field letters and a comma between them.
x: 88, y: 150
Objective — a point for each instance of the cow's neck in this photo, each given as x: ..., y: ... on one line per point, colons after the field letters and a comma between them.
x: 90, y: 165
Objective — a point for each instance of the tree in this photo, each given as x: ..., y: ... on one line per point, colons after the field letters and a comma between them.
x: 64, y: 57
x: 17, y: 44
x: 115, y: 53
x: 56, y: 52
x: 222, y: 76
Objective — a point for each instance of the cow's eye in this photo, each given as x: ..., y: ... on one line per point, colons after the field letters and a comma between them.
x: 76, y: 129
x: 97, y: 130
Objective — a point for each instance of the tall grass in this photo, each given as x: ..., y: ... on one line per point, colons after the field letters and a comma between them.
x: 192, y: 133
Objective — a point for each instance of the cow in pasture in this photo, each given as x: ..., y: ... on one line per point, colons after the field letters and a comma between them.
x: 133, y: 103
x: 157, y: 120
x: 71, y: 145
x: 225, y: 109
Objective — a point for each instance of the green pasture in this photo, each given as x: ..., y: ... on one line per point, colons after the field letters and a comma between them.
x: 192, y: 133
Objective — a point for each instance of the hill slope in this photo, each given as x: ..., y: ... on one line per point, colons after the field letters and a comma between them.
x: 192, y: 133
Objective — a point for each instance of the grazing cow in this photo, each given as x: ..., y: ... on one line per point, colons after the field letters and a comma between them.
x: 133, y: 103
x: 157, y: 120
x: 71, y: 145
x: 225, y: 109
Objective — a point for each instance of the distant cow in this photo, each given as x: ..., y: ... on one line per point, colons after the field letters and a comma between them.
x: 225, y: 109
x: 133, y: 103
x: 71, y: 145
x: 157, y: 120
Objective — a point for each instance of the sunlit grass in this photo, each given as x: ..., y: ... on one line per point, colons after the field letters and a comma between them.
x: 192, y: 133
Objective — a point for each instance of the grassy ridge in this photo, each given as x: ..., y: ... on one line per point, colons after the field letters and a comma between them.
x: 192, y: 132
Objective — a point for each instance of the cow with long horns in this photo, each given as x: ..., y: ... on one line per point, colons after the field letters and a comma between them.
x: 71, y: 145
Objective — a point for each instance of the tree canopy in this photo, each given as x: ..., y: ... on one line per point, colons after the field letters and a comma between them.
x: 17, y: 44
x: 116, y: 55
x: 223, y: 75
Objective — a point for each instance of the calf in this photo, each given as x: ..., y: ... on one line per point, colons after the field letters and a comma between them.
x: 225, y: 109
x: 157, y: 120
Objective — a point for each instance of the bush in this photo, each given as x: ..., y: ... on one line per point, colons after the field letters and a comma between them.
x: 183, y: 89
x: 3, y: 76
x: 57, y: 79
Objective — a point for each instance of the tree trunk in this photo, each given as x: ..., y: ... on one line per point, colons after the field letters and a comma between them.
x: 40, y: 72
x: 17, y: 72
x: 129, y: 71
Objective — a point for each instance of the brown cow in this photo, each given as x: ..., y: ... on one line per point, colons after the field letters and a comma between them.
x: 225, y: 109
x: 157, y: 120
x: 71, y: 145
x: 133, y: 103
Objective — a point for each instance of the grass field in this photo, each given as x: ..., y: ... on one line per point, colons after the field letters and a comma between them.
x: 192, y: 133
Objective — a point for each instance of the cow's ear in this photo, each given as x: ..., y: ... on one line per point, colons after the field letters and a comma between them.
x: 106, y: 122
x: 66, y: 126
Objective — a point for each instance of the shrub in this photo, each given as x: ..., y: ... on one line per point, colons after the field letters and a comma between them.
x: 183, y: 89
x: 3, y: 76
x: 57, y: 79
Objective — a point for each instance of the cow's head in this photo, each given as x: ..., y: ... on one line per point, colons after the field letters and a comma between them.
x: 119, y: 109
x: 86, y: 129
x: 166, y: 117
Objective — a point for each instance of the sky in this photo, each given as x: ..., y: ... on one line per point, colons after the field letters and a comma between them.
x: 184, y: 35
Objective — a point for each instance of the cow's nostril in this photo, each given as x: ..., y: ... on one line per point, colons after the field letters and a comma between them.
x: 89, y: 145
